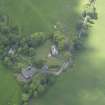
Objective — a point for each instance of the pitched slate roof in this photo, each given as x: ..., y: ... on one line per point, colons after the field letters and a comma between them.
x: 29, y: 72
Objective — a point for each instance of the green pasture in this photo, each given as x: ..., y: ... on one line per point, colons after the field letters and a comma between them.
x: 10, y: 92
x: 40, y: 15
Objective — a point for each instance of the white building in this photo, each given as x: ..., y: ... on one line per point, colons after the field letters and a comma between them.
x: 54, y: 50
x: 11, y: 51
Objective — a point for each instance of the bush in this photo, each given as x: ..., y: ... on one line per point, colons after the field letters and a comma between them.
x: 37, y: 39
x: 7, y: 61
x: 79, y: 25
x: 35, y: 94
x: 90, y: 11
x: 25, y: 103
x: 39, y: 63
x: 35, y: 87
x: 25, y: 97
x: 59, y: 39
x: 51, y: 79
x: 67, y: 55
x: 77, y: 45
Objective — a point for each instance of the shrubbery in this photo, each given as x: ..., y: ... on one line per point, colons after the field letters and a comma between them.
x: 67, y: 56
x: 37, y: 39
x: 36, y: 87
x: 39, y: 63
x: 59, y: 39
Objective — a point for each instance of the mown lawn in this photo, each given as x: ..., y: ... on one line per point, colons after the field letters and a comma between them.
x: 9, y: 90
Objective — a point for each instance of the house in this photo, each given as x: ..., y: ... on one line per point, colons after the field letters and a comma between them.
x: 28, y: 72
x: 11, y: 51
x: 54, y: 50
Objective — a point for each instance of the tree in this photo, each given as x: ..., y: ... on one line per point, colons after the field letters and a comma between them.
x: 37, y: 39
x: 38, y: 62
x: 41, y: 88
x: 89, y: 10
x: 7, y: 61
x: 59, y: 39
x: 67, y: 55
x: 25, y: 97
x: 92, y: 1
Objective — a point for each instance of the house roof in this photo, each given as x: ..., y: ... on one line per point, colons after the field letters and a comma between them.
x: 29, y: 72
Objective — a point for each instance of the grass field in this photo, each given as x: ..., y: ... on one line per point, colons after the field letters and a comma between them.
x: 39, y: 15
x: 85, y: 83
x: 9, y: 90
